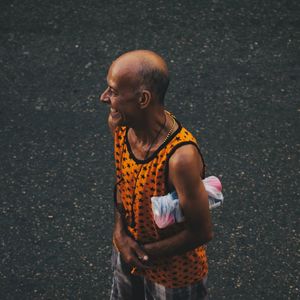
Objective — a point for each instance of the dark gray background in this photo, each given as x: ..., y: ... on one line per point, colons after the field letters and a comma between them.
x: 235, y: 84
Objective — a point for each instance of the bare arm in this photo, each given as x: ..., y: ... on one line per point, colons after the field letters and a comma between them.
x: 185, y: 167
x: 130, y: 250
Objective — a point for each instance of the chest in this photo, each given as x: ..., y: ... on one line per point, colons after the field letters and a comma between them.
x: 142, y: 152
x: 144, y: 175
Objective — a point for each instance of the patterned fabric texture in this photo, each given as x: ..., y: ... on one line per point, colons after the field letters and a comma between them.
x: 128, y: 287
x: 138, y: 181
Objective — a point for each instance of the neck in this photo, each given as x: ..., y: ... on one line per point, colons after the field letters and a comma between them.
x: 149, y: 126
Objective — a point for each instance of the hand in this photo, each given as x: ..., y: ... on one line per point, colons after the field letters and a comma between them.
x: 131, y: 251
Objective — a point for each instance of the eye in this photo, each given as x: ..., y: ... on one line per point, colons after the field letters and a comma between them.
x: 112, y: 92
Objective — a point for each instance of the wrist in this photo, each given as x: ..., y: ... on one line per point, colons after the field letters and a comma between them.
x: 118, y: 239
x: 115, y: 244
x: 119, y: 234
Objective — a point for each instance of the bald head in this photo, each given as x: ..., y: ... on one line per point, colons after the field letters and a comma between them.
x: 146, y: 69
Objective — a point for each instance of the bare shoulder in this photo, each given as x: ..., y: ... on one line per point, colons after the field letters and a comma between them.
x: 185, y: 158
x: 185, y: 169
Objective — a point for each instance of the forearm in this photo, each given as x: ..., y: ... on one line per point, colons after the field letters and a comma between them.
x: 119, y: 227
x: 130, y: 250
x: 178, y: 244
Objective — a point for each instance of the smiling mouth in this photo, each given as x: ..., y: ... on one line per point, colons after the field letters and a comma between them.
x: 114, y: 112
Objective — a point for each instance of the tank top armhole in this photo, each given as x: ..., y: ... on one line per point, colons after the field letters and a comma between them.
x: 118, y: 152
x: 166, y: 171
x: 116, y: 137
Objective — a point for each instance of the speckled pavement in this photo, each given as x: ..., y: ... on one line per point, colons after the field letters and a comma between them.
x: 235, y: 84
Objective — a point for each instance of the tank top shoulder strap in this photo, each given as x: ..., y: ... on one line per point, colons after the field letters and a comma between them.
x: 183, y: 137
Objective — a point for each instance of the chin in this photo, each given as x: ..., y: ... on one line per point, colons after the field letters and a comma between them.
x: 116, y: 121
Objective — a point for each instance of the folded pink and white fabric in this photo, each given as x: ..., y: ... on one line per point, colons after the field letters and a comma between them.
x: 167, y: 211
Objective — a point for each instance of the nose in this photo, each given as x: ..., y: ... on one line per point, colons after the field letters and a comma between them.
x: 104, y: 97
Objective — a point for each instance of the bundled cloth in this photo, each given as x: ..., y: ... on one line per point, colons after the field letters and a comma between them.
x: 166, y: 209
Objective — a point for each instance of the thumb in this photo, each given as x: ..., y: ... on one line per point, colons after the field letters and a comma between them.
x: 141, y: 254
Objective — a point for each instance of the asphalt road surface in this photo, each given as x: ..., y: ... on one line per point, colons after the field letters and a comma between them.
x: 235, y: 70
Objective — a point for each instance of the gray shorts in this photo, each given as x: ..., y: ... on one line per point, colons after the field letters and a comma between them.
x: 126, y: 286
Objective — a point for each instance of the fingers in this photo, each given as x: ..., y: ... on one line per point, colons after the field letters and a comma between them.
x: 137, y: 257
x: 132, y: 253
x: 135, y: 262
x: 141, y: 254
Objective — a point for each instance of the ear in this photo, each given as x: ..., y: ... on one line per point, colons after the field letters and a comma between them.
x: 145, y: 99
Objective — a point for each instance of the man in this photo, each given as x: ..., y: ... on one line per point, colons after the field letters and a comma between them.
x: 154, y: 155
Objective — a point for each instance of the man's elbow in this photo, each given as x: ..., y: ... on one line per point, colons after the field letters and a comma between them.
x: 209, y: 236
x: 204, y: 238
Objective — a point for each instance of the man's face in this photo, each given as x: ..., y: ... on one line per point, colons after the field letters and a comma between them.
x: 121, y: 94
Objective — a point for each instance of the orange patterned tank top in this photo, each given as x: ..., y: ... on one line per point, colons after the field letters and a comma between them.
x: 138, y: 181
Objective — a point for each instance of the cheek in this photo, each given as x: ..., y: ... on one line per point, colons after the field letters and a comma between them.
x: 127, y: 108
x: 118, y: 104
x: 114, y: 102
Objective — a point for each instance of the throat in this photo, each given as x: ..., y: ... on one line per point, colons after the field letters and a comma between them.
x: 141, y: 150
x: 153, y: 139
x: 144, y: 143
